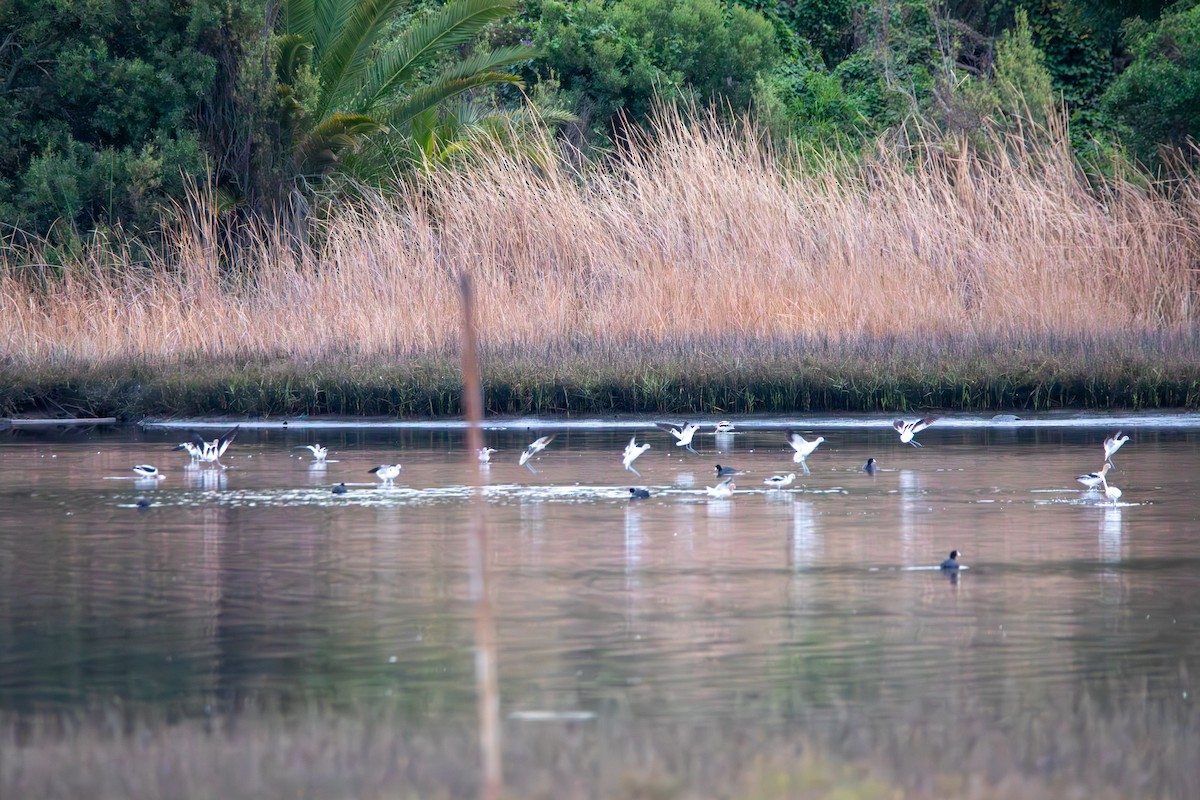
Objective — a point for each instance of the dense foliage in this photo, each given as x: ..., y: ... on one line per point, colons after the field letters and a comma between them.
x: 109, y: 108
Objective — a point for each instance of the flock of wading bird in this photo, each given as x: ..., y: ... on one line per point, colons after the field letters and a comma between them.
x: 209, y: 452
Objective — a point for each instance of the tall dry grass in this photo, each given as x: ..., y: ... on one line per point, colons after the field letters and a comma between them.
x: 699, y: 230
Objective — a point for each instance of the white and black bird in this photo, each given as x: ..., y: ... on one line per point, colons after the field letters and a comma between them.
x: 632, y: 451
x: 1111, y: 493
x: 386, y: 473
x: 722, y: 490
x: 1093, y: 480
x: 209, y: 452
x: 535, y: 447
x: 803, y: 448
x: 908, y: 430
x: 485, y: 454
x: 148, y: 472
x: 1112, y: 444
x: 683, y: 433
x: 192, y: 450
x: 780, y: 481
x: 724, y: 426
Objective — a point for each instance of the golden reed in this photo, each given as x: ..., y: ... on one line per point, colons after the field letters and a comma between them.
x: 695, y: 230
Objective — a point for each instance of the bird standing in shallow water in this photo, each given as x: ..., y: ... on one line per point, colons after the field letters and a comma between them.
x: 192, y: 450
x: 724, y: 426
x: 148, y: 472
x: 535, y: 447
x: 1093, y: 480
x: 951, y: 563
x: 871, y: 467
x: 908, y: 430
x: 1111, y: 493
x: 209, y: 452
x: 1112, y: 444
x: 386, y: 473
x: 683, y: 433
x: 485, y: 454
x: 780, y: 481
x: 632, y: 451
x: 804, y: 448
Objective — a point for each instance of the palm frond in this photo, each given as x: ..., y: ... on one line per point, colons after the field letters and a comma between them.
x: 294, y: 52
x: 345, y: 57
x: 458, y: 23
x: 299, y: 17
x: 400, y: 115
x: 485, y: 61
x: 322, y: 148
x: 331, y: 18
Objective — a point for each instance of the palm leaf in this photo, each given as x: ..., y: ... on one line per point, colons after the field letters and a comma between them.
x: 345, y: 57
x: 485, y: 61
x: 332, y: 16
x: 299, y: 17
x: 322, y: 148
x: 295, y: 52
x: 458, y: 23
x: 400, y: 115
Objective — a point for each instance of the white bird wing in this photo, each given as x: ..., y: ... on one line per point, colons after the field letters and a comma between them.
x: 797, y: 441
x: 900, y: 425
x: 923, y: 423
x: 674, y: 430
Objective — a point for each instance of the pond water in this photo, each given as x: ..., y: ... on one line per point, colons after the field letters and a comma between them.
x: 259, y: 582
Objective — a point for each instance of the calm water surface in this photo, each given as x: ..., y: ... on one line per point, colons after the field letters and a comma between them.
x: 259, y: 582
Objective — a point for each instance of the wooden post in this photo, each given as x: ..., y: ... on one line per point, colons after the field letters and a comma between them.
x: 486, y: 672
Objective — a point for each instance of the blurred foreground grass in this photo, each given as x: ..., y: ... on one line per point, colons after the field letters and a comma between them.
x: 1094, y: 748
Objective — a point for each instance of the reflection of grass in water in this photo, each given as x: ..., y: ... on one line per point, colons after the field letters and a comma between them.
x: 1128, y: 748
x: 592, y: 375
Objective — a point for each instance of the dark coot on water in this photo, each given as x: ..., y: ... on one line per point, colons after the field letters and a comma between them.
x: 951, y: 563
x: 870, y: 467
x: 340, y: 489
x: 724, y: 472
x: 639, y: 494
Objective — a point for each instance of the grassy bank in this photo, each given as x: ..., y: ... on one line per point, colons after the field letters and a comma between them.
x: 1137, y: 748
x: 699, y: 271
x: 596, y: 377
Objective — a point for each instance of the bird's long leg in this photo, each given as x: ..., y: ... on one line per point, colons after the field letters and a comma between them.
x: 915, y: 443
x: 804, y: 466
x: 690, y: 450
x: 634, y: 471
x: 529, y: 467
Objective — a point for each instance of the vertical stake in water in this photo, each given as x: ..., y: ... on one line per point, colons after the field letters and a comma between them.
x: 485, y: 627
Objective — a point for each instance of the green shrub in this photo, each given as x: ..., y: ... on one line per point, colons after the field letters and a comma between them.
x: 1158, y: 97
x: 614, y: 59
